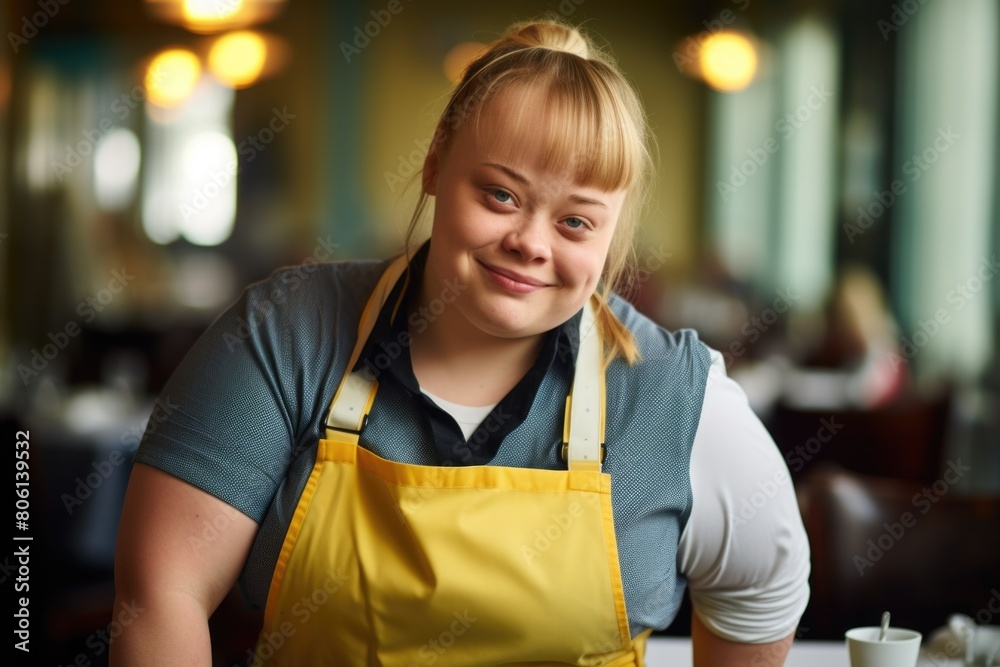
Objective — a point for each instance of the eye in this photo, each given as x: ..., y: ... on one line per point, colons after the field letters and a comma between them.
x: 502, y: 196
x: 580, y: 227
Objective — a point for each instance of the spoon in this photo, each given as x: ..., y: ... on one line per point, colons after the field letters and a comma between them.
x: 885, y: 626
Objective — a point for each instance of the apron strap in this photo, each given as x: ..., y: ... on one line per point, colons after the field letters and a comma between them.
x: 349, y: 409
x: 354, y: 397
x: 583, y: 426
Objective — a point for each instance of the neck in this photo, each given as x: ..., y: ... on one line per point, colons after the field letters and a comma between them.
x: 459, y: 362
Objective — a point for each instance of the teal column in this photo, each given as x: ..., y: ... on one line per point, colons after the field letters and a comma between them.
x: 344, y: 214
x: 807, y: 205
x: 942, y: 252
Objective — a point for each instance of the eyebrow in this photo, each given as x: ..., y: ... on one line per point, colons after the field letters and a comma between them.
x: 586, y: 200
x: 579, y: 199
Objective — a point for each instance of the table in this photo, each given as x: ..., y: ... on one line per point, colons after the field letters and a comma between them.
x: 676, y: 652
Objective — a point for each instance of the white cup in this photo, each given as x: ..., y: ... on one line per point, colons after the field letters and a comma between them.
x: 900, y: 648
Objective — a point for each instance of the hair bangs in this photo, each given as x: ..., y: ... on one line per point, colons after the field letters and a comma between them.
x: 570, y: 118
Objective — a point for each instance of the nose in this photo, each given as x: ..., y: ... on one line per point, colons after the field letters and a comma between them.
x: 528, y: 238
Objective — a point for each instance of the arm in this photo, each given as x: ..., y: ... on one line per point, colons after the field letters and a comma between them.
x: 227, y: 421
x: 179, y: 551
x: 713, y: 651
x: 744, y: 549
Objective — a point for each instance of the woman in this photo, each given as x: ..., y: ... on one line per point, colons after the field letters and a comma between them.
x: 475, y: 453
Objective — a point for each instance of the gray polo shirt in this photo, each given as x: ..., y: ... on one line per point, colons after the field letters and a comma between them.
x: 253, y: 392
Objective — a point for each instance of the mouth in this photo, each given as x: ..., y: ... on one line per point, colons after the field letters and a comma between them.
x: 512, y: 281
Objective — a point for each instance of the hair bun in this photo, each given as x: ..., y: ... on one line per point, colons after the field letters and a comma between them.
x: 549, y: 34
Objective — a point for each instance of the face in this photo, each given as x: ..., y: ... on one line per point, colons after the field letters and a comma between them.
x: 529, y: 245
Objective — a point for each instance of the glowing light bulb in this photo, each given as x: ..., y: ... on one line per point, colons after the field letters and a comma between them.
x: 238, y: 58
x: 171, y: 77
x: 728, y: 61
x: 209, y: 11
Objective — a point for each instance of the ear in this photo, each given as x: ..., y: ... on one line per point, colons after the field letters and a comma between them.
x: 432, y: 166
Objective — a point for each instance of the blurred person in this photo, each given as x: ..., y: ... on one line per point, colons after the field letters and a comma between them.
x: 860, y: 348
x: 476, y: 452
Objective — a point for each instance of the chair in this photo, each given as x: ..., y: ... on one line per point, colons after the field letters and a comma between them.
x: 903, y: 440
x: 880, y: 544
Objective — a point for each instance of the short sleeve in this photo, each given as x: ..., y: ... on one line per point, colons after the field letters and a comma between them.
x: 226, y: 419
x: 744, y: 549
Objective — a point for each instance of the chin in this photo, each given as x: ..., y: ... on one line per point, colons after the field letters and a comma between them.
x: 505, y: 322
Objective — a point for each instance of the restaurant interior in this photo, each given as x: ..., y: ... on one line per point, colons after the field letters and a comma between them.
x: 824, y: 212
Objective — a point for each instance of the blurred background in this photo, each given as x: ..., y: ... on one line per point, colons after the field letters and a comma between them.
x: 825, y: 215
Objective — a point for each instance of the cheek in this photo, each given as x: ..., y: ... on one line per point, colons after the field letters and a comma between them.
x: 464, y: 219
x: 583, y: 270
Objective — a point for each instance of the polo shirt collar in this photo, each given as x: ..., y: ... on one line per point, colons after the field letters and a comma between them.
x: 387, y: 353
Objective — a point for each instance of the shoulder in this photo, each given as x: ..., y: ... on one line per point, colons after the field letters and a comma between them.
x: 657, y: 401
x: 652, y: 337
x: 303, y: 296
x: 681, y: 352
x: 246, y: 394
x: 310, y: 283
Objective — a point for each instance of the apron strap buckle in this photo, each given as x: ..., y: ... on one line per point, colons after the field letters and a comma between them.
x: 564, y: 452
x: 354, y: 397
x: 364, y: 422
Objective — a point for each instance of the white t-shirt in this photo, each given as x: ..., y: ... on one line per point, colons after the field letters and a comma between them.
x: 743, y: 550
x: 469, y: 417
x: 744, y: 506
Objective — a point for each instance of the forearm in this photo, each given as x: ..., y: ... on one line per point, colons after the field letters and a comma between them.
x: 167, y: 583
x: 713, y: 651
x: 169, y: 629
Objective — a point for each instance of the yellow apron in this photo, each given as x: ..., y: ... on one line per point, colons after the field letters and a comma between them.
x: 397, y: 565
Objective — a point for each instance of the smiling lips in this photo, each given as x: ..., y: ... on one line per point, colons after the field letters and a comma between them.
x: 513, y: 281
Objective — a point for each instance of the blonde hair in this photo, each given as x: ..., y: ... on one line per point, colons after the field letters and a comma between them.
x: 591, y: 104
